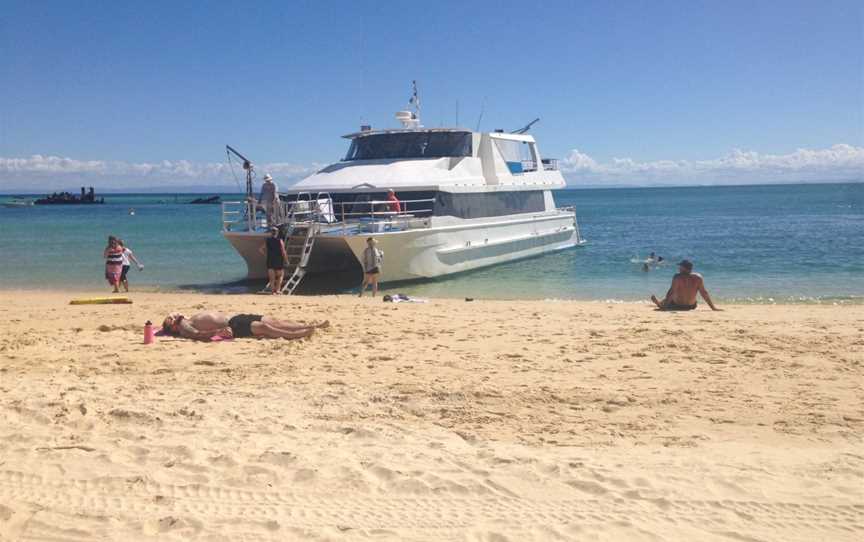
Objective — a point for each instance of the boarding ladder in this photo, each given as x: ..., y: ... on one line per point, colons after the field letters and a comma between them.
x: 298, y: 247
x: 299, y: 240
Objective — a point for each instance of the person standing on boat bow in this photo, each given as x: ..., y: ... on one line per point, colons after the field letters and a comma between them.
x: 268, y: 198
x: 371, y: 261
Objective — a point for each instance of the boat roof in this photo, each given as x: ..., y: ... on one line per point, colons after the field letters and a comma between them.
x: 366, y: 133
x: 496, y: 134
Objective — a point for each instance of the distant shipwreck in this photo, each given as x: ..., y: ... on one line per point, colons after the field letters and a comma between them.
x: 205, y: 201
x: 65, y: 198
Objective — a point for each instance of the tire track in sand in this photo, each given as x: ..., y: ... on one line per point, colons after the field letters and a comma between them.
x: 140, y: 498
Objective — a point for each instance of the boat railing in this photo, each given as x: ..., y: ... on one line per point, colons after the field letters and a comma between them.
x: 373, y: 215
x: 550, y: 164
x: 379, y: 216
x: 529, y: 166
x: 572, y: 209
x: 382, y: 209
x: 238, y: 215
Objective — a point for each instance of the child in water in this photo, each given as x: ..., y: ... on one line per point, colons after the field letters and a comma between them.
x: 127, y: 255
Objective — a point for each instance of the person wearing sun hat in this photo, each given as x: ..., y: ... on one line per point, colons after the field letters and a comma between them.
x: 682, y: 294
x: 268, y: 197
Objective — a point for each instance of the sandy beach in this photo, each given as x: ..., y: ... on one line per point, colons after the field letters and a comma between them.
x: 450, y: 420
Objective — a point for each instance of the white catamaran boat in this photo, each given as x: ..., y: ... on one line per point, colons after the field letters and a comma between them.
x: 466, y: 200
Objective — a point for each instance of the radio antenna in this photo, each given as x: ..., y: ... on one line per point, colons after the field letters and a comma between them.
x: 482, y: 110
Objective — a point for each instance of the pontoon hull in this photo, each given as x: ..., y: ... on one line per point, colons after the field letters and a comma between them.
x: 450, y: 246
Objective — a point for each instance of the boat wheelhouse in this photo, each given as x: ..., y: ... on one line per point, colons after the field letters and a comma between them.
x: 466, y: 200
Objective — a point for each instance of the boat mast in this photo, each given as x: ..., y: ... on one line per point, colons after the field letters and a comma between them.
x: 411, y: 119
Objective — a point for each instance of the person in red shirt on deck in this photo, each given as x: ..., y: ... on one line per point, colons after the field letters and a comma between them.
x: 393, y: 202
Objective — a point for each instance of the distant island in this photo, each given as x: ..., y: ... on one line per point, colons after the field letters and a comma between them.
x: 65, y: 198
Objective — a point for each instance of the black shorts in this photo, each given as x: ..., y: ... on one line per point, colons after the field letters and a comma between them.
x: 123, y: 273
x: 674, y: 307
x: 373, y: 271
x: 241, y: 325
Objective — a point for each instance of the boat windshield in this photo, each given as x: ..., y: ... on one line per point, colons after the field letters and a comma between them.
x: 410, y: 145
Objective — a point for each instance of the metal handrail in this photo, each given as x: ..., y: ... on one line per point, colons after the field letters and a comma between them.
x: 572, y: 209
x: 244, y: 211
x: 550, y: 164
x: 340, y: 212
x: 529, y: 165
x: 309, y: 211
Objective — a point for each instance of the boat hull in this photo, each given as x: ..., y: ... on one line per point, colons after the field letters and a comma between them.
x: 449, y: 246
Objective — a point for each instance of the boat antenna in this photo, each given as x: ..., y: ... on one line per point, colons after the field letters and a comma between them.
x: 527, y: 127
x: 247, y: 165
x: 482, y: 110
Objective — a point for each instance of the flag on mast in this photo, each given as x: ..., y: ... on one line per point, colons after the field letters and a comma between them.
x: 415, y: 98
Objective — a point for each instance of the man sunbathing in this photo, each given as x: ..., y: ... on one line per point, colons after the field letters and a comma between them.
x: 206, y: 325
x: 682, y: 294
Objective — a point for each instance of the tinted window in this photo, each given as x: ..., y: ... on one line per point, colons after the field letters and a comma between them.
x: 478, y: 205
x: 410, y: 145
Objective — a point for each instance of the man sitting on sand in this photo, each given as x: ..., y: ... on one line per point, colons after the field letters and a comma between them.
x: 205, y: 325
x: 682, y: 294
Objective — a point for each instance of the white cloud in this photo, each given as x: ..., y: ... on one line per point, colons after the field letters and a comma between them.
x: 39, y: 172
x: 839, y: 162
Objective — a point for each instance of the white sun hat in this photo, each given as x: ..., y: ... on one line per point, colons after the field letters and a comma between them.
x: 268, y: 177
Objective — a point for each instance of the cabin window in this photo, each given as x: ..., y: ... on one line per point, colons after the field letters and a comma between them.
x: 488, y: 204
x: 520, y: 156
x: 410, y: 145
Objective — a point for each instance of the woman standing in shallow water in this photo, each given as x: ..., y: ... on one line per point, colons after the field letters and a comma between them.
x: 372, y: 260
x: 274, y: 249
x: 113, y: 255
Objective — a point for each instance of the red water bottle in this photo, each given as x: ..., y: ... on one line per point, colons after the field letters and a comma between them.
x: 148, y: 332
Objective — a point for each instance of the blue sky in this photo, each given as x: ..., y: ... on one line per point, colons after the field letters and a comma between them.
x: 629, y: 92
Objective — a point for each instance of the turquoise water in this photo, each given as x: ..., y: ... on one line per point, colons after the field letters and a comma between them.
x: 789, y: 243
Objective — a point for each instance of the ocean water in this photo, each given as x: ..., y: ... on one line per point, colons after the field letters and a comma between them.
x: 762, y: 244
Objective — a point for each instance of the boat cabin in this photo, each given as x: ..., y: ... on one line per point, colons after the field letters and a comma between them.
x: 434, y: 172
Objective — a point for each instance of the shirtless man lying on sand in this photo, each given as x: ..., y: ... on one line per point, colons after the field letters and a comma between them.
x: 204, y: 325
x: 682, y: 294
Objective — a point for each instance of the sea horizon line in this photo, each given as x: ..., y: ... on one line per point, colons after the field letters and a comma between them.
x: 224, y: 189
